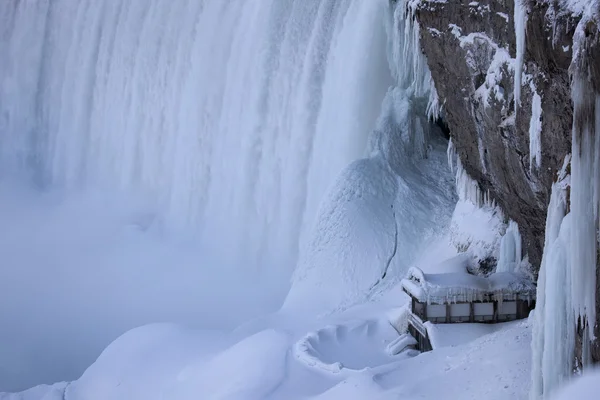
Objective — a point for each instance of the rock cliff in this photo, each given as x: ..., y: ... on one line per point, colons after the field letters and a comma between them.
x: 505, y: 75
x: 471, y: 50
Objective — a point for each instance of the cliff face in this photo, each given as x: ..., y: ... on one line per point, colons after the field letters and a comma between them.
x: 514, y: 150
x: 471, y: 51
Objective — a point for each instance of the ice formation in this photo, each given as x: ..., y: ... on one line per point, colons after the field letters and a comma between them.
x: 510, y: 249
x: 552, y: 340
x: 520, y: 16
x: 232, y: 120
x: 407, y: 63
x: 567, y: 281
x: 535, y: 130
x: 379, y: 204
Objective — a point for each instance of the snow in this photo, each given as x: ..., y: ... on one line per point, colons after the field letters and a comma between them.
x: 351, y: 347
x: 520, y: 29
x: 451, y: 335
x: 477, y: 229
x: 164, y: 361
x: 535, y: 130
x: 458, y: 263
x: 462, y: 287
x: 184, y: 366
x: 400, y: 344
x: 377, y: 214
x: 503, y: 15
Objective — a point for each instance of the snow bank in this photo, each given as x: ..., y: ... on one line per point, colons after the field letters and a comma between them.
x: 164, y: 361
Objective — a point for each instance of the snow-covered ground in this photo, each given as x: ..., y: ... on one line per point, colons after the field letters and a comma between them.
x: 166, y: 361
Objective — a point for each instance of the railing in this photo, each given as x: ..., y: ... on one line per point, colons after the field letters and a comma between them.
x: 417, y: 324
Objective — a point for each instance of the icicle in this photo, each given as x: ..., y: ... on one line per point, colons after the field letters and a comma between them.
x: 451, y: 152
x: 541, y: 328
x: 467, y: 188
x: 510, y: 249
x: 584, y: 200
x: 535, y: 129
x: 407, y: 63
x: 520, y: 25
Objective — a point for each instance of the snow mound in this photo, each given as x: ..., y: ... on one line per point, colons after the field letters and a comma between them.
x: 182, y: 364
x: 350, y: 347
x: 143, y: 362
x: 251, y: 369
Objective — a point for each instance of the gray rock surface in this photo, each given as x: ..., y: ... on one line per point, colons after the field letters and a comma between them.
x: 470, y: 44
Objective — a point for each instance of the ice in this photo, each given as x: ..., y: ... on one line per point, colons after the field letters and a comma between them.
x: 548, y: 279
x: 567, y: 282
x: 184, y: 156
x: 520, y: 14
x: 232, y: 119
x: 535, y: 130
x: 510, y: 249
x: 407, y: 63
x: 585, y: 200
x: 367, y: 225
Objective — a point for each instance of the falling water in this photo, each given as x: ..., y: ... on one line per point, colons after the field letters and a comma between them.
x: 240, y: 123
x: 232, y: 117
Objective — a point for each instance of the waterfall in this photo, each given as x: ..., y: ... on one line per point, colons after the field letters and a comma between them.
x: 279, y: 147
x: 231, y: 117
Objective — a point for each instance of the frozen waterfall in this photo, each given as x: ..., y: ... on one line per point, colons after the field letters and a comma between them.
x: 232, y: 117
x: 179, y: 156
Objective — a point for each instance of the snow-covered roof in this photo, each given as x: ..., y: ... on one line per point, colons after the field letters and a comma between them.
x: 463, y: 287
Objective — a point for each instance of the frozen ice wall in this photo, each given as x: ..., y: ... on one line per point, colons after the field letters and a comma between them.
x: 567, y: 291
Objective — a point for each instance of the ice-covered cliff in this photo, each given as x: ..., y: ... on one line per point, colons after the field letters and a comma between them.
x: 519, y: 85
